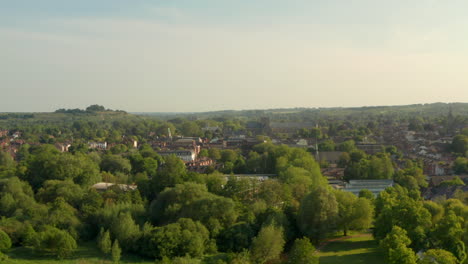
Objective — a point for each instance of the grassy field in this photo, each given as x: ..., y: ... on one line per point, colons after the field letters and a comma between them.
x: 355, y: 250
x: 86, y: 254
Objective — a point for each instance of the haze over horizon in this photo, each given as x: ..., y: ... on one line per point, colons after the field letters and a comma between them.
x: 208, y: 55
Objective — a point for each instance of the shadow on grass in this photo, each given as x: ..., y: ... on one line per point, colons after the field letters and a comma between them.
x: 349, y: 245
x: 364, y: 258
x: 355, y: 250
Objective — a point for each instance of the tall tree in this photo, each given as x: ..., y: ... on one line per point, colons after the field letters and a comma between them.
x: 302, y: 252
x: 116, y: 251
x: 395, y: 245
x: 267, y: 245
x: 104, y: 241
x: 318, y: 213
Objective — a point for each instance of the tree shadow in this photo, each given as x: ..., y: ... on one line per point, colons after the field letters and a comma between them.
x: 359, y: 258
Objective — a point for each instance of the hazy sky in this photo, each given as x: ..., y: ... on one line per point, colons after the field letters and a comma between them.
x: 203, y: 55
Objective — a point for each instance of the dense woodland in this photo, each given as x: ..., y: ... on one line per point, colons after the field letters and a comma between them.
x: 178, y: 216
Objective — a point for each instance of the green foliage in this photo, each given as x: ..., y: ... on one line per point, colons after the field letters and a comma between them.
x: 369, y: 167
x: 411, y: 177
x: 454, y: 182
x: 365, y: 193
x: 395, y: 245
x: 124, y: 229
x: 5, y: 241
x: 195, y: 214
x: 104, y: 242
x: 353, y: 212
x: 236, y: 238
x: 64, y: 216
x: 460, y: 144
x: 52, y: 189
x: 267, y: 245
x: 347, y: 146
x: 55, y: 241
x: 327, y: 145
x: 460, y: 165
x: 302, y: 252
x: 438, y: 256
x: 46, y: 163
x: 193, y: 201
x: 95, y: 108
x: 448, y: 235
x: 184, y: 237
x: 318, y: 213
x: 116, y: 251
x: 215, y: 182
x: 397, y: 207
x: 436, y: 210
x: 115, y: 163
x: 172, y: 172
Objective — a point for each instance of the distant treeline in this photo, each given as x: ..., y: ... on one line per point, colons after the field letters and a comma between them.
x: 15, y: 115
x: 89, y: 109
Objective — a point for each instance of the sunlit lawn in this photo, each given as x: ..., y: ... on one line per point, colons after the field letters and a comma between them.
x: 355, y: 250
x: 86, y: 254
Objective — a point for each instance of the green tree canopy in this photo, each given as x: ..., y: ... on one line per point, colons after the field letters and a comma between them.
x: 302, y: 252
x: 318, y: 213
x: 267, y: 245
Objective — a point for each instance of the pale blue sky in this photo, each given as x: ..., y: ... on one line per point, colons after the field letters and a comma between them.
x: 203, y: 55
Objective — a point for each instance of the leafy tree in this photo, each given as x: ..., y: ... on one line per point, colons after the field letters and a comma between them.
x: 273, y: 193
x: 5, y: 241
x: 115, y: 163
x: 124, y: 229
x: 7, y: 165
x: 438, y: 256
x: 302, y: 252
x: 436, y: 210
x: 460, y: 165
x: 364, y: 214
x: 318, y: 213
x: 184, y: 237
x: 215, y: 182
x: 239, y: 188
x: 347, y: 146
x: 395, y: 245
x: 116, y: 251
x: 344, y: 160
x: 191, y: 200
x: 228, y: 155
x: 460, y: 144
x: 454, y: 182
x: 365, y: 193
x: 411, y: 177
x: 346, y: 214
x: 236, y: 238
x: 47, y: 163
x: 56, y: 242
x: 171, y: 173
x: 52, y: 189
x: 397, y: 206
x: 353, y: 212
x: 327, y: 145
x: 95, y: 108
x: 64, y: 216
x: 267, y: 245
x: 104, y: 241
x: 214, y: 153
x: 448, y: 235
x: 119, y: 149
